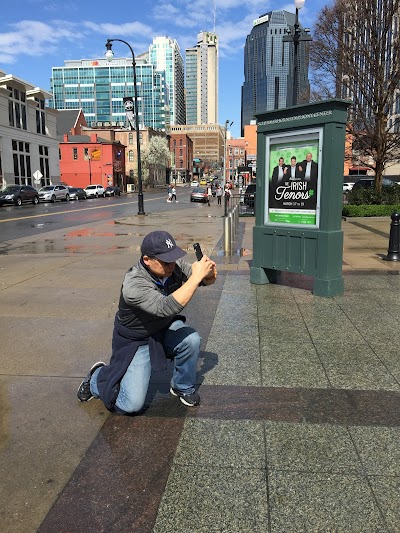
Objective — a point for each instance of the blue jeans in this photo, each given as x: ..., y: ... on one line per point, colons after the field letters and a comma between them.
x: 180, y: 342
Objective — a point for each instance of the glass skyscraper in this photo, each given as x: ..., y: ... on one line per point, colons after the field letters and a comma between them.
x: 268, y: 66
x: 165, y: 55
x: 98, y: 88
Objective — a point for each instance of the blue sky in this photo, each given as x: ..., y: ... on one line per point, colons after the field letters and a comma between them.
x: 37, y: 35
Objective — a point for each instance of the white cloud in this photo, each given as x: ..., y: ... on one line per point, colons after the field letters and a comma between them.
x: 127, y: 29
x: 34, y: 38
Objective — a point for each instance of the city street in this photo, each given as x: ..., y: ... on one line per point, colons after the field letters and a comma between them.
x: 30, y: 220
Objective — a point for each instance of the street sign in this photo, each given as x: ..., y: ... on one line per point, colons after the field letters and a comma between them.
x: 37, y: 176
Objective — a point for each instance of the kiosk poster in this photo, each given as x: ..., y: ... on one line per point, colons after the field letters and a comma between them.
x: 293, y: 166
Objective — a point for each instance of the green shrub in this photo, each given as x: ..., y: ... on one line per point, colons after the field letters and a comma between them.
x: 369, y: 210
x: 388, y: 196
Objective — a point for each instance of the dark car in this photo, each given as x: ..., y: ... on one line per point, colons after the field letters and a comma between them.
x: 112, y: 191
x: 249, y: 195
x: 18, y: 194
x: 199, y: 194
x: 368, y: 183
x: 76, y: 193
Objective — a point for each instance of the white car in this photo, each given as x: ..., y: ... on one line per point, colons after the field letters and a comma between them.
x: 347, y: 187
x: 194, y: 183
x: 51, y: 193
x: 94, y: 191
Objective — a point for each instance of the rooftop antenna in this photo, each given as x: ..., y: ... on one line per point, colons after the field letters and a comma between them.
x: 215, y: 12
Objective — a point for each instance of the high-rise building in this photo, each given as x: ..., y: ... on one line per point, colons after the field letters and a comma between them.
x: 201, y: 79
x: 268, y: 66
x: 165, y: 55
x: 98, y: 88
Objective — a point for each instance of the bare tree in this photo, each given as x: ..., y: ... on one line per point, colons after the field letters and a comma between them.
x: 355, y: 54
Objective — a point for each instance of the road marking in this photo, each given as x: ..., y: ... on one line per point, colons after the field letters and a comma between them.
x: 75, y: 210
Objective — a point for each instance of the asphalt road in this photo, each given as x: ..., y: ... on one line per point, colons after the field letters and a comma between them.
x: 29, y: 220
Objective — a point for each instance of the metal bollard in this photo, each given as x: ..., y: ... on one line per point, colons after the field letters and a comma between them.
x: 233, y: 224
x: 394, y: 239
x: 227, y: 236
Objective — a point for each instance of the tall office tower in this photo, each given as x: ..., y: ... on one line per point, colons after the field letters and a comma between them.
x: 268, y: 66
x: 166, y: 56
x: 202, y: 80
x: 98, y: 88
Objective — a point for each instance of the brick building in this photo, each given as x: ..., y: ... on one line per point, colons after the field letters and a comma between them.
x: 91, y: 159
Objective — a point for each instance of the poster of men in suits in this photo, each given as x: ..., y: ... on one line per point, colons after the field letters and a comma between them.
x: 294, y: 175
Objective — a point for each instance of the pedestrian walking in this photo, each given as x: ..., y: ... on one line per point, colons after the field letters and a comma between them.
x: 227, y: 194
x: 209, y: 194
x: 173, y: 197
x: 169, y: 199
x: 149, y: 328
x: 219, y: 194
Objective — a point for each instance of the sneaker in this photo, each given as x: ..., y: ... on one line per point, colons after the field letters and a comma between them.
x: 84, y: 394
x: 191, y: 400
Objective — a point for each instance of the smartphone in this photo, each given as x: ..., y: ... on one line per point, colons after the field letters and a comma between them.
x: 198, y: 252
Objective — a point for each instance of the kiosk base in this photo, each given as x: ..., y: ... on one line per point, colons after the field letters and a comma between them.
x: 321, y: 287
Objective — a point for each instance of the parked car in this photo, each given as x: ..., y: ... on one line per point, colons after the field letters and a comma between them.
x: 51, y: 193
x: 94, y: 191
x: 18, y: 194
x: 112, y: 191
x: 75, y: 193
x: 199, y: 194
x: 194, y: 183
x: 367, y: 183
x: 249, y: 195
x: 347, y: 187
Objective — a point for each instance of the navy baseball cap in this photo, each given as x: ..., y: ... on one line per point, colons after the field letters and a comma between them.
x: 162, y: 245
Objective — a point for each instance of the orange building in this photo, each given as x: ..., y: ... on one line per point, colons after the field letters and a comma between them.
x: 90, y: 159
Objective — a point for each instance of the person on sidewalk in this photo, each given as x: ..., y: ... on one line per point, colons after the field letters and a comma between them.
x: 148, y: 329
x: 209, y: 194
x: 227, y: 194
x: 219, y: 194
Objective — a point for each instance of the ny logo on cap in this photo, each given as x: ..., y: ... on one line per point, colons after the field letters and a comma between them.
x: 169, y: 243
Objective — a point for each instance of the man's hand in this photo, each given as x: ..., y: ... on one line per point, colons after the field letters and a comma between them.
x: 203, y: 270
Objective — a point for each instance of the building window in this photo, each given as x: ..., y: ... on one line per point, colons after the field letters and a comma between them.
x: 22, y: 163
x: 130, y: 156
x: 59, y: 154
x: 75, y: 153
x: 130, y: 139
x: 86, y: 154
x: 17, y: 109
x: 131, y: 175
x: 236, y: 151
x: 44, y: 165
x: 40, y: 117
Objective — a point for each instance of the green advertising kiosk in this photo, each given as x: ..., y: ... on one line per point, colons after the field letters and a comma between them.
x: 300, y: 157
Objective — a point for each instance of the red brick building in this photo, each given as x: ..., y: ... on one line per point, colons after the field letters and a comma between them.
x: 90, y: 159
x: 181, y: 148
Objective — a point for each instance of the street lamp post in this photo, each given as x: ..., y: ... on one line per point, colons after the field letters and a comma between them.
x: 225, y: 167
x: 90, y: 170
x: 299, y: 35
x: 109, y: 56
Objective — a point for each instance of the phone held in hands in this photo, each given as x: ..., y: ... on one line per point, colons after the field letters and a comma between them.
x: 198, y: 252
